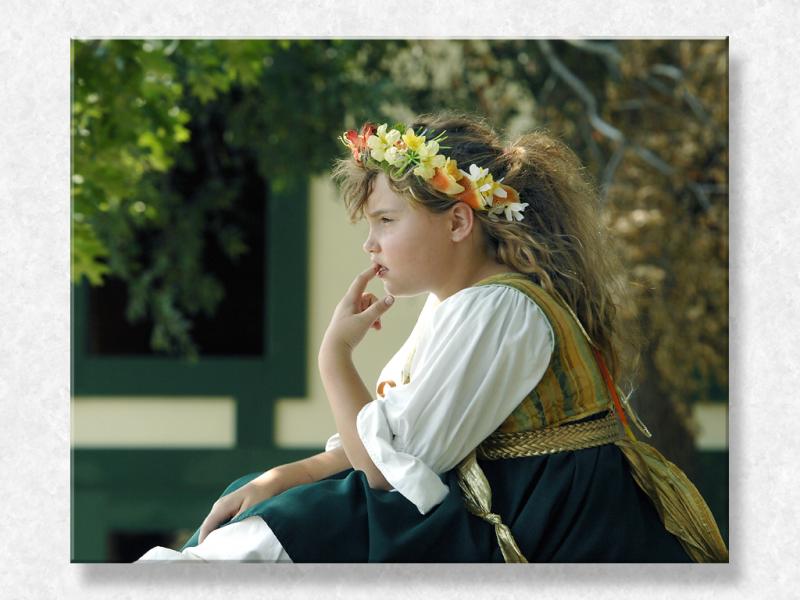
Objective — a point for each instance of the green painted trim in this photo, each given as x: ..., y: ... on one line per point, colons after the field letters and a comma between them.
x: 153, y: 490
x: 88, y: 542
x: 119, y: 471
x: 168, y: 376
x: 164, y: 489
x: 287, y: 278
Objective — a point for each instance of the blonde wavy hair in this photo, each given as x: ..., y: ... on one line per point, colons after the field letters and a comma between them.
x: 560, y: 244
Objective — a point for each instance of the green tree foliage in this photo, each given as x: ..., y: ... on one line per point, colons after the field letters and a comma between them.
x: 136, y: 104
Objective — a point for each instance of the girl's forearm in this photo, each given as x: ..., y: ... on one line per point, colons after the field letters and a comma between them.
x: 347, y: 395
x: 309, y: 469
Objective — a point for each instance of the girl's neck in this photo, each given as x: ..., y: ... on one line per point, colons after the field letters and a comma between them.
x: 472, y: 277
x: 493, y: 268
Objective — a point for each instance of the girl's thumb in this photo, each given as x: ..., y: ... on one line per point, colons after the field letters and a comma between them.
x: 378, y: 308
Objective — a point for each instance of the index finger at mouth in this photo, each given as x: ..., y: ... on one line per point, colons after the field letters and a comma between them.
x: 360, y: 283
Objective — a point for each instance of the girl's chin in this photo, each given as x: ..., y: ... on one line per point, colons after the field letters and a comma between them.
x: 390, y: 288
x: 399, y: 291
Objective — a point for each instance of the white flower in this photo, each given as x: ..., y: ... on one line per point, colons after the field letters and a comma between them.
x: 477, y: 173
x: 395, y: 156
x: 512, y: 210
x: 515, y: 209
x: 497, y: 189
x: 382, y: 141
x: 484, y: 183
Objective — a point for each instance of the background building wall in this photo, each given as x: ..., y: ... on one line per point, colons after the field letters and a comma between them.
x: 335, y: 258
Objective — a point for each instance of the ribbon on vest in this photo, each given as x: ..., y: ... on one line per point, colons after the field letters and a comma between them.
x: 478, y: 498
x: 681, y: 507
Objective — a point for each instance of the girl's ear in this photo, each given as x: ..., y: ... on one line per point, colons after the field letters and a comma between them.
x: 462, y: 220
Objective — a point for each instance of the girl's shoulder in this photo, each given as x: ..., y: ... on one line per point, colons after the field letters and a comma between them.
x: 524, y: 286
x: 507, y: 290
x: 503, y: 300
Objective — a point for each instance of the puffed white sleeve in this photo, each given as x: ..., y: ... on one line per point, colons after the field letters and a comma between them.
x: 485, y: 349
x: 393, y: 369
x: 333, y: 442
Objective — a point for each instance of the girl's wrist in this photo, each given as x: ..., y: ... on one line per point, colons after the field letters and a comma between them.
x: 283, y: 477
x: 331, y: 349
x: 274, y: 480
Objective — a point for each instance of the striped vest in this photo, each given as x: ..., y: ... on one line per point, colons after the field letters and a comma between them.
x: 572, y: 386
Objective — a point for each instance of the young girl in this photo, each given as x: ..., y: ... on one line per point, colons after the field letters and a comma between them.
x: 495, y: 432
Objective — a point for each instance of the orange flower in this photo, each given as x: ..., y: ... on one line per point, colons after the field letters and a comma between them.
x: 357, y: 142
x: 445, y: 178
x: 511, y: 196
x: 470, y: 195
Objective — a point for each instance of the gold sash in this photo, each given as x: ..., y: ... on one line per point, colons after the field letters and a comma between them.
x: 677, y: 501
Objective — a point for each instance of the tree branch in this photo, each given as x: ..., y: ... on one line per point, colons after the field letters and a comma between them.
x: 608, y: 130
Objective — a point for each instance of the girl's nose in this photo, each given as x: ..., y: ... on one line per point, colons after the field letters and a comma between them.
x: 369, y: 245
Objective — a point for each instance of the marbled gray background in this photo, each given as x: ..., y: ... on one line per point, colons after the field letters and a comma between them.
x: 34, y: 279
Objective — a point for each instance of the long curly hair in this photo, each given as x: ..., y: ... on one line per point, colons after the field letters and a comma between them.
x: 561, y: 243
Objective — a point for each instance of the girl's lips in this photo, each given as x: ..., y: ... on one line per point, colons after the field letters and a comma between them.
x: 380, y: 270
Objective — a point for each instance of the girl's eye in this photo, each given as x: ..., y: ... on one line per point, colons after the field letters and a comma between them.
x: 385, y: 220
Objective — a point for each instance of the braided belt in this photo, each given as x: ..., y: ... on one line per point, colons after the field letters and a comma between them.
x: 576, y: 436
x: 475, y: 486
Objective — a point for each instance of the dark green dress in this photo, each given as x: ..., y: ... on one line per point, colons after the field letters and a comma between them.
x: 580, y: 506
x: 575, y: 506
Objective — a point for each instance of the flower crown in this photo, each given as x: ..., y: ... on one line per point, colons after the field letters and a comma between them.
x: 398, y: 152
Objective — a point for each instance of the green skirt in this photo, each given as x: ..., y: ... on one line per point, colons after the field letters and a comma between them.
x: 576, y: 506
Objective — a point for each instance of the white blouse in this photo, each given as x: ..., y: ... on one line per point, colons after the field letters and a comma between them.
x: 478, y: 354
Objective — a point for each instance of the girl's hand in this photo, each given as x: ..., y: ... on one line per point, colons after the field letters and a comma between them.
x: 229, y: 506
x: 356, y: 313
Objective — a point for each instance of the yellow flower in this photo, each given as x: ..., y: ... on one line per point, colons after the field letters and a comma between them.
x: 428, y: 160
x: 412, y: 140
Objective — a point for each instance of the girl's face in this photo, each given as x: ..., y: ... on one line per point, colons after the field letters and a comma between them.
x: 411, y: 244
